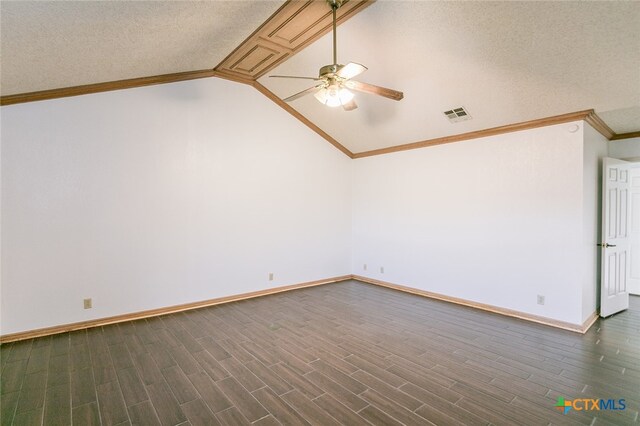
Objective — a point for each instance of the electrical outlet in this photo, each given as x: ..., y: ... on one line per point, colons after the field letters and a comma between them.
x: 540, y: 299
x: 88, y: 304
x: 364, y: 266
x: 382, y: 269
x: 270, y: 276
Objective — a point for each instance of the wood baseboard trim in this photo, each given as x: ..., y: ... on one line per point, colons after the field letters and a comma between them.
x: 582, y: 328
x: 586, y: 325
x: 41, y: 332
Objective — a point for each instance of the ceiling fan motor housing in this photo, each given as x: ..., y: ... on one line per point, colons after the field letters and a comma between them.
x: 329, y: 69
x: 335, y: 79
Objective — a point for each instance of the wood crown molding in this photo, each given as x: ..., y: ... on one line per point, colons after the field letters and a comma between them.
x: 588, y: 116
x: 31, y: 334
x: 302, y: 118
x: 86, y: 89
x: 599, y: 125
x: 629, y: 135
x: 516, y: 127
x: 578, y: 328
x: 290, y: 29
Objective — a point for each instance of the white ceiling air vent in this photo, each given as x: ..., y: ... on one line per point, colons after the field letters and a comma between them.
x: 457, y: 114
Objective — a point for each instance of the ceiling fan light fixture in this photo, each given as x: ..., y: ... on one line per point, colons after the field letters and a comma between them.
x: 334, y: 96
x: 333, y: 91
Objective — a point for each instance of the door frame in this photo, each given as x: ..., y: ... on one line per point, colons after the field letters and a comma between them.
x: 614, y: 236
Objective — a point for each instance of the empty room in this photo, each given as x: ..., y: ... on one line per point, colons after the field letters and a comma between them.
x: 325, y: 212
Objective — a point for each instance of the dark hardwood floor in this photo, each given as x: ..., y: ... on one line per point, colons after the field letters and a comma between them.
x: 345, y: 353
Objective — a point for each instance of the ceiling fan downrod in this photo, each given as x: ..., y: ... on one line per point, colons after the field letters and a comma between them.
x: 334, y: 82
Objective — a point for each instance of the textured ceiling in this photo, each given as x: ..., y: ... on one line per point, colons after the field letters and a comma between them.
x: 506, y: 62
x: 54, y: 44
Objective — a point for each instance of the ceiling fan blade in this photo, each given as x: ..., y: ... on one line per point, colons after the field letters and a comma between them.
x: 294, y: 76
x: 301, y: 94
x: 375, y: 90
x: 350, y: 106
x: 351, y: 70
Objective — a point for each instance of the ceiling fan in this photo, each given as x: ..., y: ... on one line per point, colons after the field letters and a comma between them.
x: 335, y: 80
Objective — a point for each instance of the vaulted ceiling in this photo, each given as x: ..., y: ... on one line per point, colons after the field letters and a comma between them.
x: 505, y: 62
x: 54, y: 44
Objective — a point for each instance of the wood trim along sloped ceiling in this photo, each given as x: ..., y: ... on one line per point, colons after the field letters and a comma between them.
x: 269, y: 94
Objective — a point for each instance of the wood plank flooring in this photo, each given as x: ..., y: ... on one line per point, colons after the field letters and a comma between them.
x: 345, y: 353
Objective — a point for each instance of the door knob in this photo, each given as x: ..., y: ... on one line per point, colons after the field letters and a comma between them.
x: 605, y: 245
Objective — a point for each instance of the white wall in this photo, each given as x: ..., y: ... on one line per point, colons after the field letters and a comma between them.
x: 497, y: 220
x: 169, y: 194
x: 162, y: 195
x: 595, y: 149
x: 625, y: 149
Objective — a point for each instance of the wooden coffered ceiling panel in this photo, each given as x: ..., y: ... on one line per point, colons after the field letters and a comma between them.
x: 295, y: 25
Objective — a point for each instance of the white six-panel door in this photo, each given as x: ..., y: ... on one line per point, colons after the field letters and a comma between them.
x: 614, y: 292
x: 634, y: 233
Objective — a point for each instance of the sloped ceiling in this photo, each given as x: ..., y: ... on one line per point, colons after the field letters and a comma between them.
x: 506, y: 62
x: 54, y: 44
